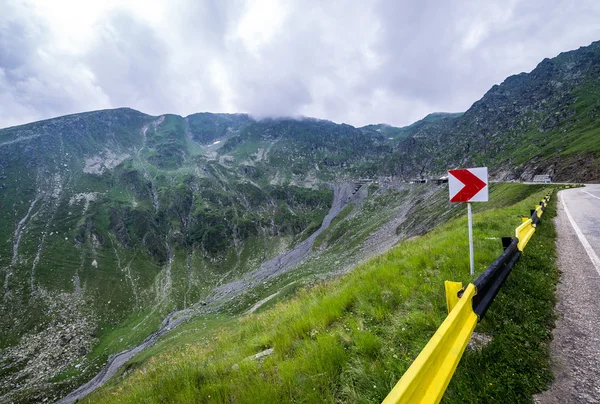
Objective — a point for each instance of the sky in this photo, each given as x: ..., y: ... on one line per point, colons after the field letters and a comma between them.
x: 356, y: 62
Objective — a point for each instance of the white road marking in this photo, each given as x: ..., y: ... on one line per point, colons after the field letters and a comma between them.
x: 592, y: 195
x: 586, y: 245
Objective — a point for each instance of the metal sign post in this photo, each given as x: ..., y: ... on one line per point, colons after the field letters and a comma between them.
x: 469, y: 185
x: 471, y: 257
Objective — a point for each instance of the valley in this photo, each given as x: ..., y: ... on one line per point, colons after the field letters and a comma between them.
x: 117, y: 226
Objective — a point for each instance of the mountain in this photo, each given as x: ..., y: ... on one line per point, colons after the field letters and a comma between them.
x: 113, y: 221
x: 393, y: 133
x: 543, y: 122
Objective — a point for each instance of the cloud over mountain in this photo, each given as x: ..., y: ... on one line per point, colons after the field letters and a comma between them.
x: 354, y: 62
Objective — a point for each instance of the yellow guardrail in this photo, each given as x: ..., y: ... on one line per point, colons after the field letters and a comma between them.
x: 539, y: 210
x: 427, y: 378
x: 524, y: 233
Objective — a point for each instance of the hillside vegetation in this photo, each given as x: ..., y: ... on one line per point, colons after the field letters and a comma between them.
x: 542, y: 122
x: 350, y: 338
x: 112, y: 222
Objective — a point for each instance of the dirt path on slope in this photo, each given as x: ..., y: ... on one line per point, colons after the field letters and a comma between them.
x: 342, y: 195
x: 576, y: 343
x: 117, y: 361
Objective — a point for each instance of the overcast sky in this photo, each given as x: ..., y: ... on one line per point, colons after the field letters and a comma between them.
x: 356, y: 62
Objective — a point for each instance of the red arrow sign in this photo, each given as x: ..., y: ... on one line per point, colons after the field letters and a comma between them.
x: 472, y: 185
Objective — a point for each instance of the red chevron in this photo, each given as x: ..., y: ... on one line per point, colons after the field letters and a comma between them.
x: 472, y: 185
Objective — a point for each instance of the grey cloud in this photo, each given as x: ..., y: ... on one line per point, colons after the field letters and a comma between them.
x: 130, y: 62
x: 431, y: 55
x: 316, y: 44
x: 355, y: 62
x: 206, y: 22
x: 35, y: 83
x: 422, y: 44
x: 281, y: 97
x: 18, y: 43
x: 426, y: 60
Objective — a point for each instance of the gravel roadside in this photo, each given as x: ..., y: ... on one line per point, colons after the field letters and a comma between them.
x: 576, y: 344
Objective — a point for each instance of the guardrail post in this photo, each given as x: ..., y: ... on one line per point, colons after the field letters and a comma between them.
x: 452, y: 291
x: 506, y: 241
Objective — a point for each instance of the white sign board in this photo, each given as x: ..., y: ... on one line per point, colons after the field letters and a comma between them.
x: 468, y: 185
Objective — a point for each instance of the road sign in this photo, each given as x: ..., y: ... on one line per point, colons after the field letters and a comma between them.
x: 468, y: 185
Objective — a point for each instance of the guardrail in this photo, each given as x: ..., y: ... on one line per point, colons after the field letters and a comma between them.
x: 427, y: 378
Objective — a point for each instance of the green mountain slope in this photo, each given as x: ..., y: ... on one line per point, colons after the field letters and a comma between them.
x: 111, y: 220
x: 543, y: 122
x: 350, y: 339
x: 430, y: 121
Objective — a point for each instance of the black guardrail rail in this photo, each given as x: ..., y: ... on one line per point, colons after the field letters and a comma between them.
x: 488, y: 284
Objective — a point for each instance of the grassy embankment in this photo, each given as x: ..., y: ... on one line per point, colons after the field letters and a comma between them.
x: 351, y: 339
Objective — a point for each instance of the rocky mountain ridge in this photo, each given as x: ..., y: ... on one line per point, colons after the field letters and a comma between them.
x: 543, y: 122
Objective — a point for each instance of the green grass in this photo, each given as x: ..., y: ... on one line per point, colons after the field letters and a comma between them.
x: 350, y: 339
x: 516, y: 363
x: 197, y: 330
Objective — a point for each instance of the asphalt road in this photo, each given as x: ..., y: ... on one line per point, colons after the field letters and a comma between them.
x: 576, y: 343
